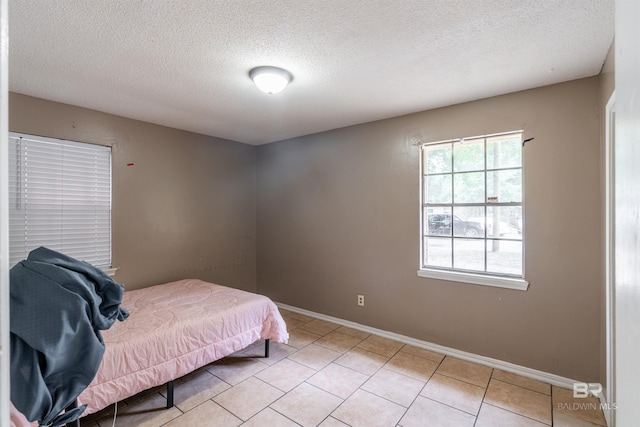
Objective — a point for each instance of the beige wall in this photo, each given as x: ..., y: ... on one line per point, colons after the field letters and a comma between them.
x: 185, y: 209
x: 338, y: 216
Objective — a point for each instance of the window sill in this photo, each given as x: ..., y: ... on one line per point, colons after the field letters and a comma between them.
x: 110, y: 271
x: 476, y: 279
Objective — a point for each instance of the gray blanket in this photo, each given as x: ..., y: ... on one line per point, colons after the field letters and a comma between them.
x: 58, y: 307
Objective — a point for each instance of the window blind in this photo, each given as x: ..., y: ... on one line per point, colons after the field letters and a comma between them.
x: 59, y: 197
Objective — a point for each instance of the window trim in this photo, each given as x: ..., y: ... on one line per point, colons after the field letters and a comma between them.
x: 462, y: 276
x: 111, y: 271
x: 475, y: 279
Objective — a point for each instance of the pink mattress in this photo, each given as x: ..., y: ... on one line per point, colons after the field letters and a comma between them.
x: 174, y: 329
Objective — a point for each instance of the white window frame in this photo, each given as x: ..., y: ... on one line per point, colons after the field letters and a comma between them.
x: 451, y: 274
x: 74, y: 187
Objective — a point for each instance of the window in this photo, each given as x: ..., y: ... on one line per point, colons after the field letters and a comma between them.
x: 59, y: 197
x: 471, y: 215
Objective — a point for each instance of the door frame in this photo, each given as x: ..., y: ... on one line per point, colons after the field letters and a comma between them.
x: 610, y: 279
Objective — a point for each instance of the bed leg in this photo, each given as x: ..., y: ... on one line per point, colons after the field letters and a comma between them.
x: 266, y: 348
x: 170, y: 394
x: 73, y: 405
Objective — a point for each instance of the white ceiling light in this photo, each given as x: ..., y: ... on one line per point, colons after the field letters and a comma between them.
x: 270, y: 79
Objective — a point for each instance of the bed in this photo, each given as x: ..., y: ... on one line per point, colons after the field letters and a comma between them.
x: 174, y: 329
x: 77, y: 336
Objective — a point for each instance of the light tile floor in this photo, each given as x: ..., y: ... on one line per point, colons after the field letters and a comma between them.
x: 330, y: 375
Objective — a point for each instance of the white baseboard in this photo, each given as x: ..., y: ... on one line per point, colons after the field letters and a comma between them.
x: 448, y: 351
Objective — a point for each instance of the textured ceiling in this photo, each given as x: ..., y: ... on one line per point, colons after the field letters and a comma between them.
x: 185, y: 63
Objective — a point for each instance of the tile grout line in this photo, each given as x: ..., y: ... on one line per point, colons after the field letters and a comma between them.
x: 522, y: 387
x: 423, y: 387
x: 486, y: 390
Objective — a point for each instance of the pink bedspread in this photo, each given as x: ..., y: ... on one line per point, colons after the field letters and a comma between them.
x: 16, y: 419
x: 174, y: 329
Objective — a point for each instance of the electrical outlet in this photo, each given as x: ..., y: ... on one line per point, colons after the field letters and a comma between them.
x: 361, y: 300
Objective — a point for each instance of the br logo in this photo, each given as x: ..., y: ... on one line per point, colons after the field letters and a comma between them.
x: 582, y: 390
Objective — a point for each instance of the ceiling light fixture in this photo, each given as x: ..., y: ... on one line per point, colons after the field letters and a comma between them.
x: 269, y: 79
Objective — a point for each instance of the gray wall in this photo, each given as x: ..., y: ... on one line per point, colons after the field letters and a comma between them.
x: 338, y: 216
x: 186, y: 208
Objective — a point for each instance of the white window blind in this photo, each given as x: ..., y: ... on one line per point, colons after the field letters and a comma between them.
x: 59, y: 197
